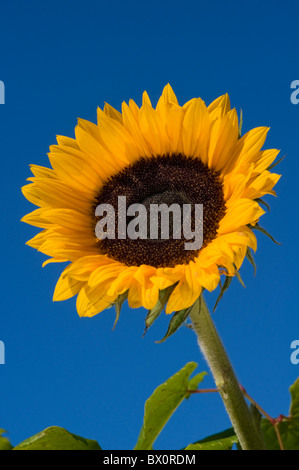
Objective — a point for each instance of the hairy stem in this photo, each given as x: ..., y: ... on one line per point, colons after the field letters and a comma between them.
x: 224, y: 376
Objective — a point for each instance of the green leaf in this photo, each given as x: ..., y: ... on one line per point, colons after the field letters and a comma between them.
x: 224, y: 288
x: 294, y: 409
x: 257, y: 418
x: 176, y: 321
x: 264, y: 203
x: 163, y: 403
x: 256, y: 415
x: 250, y: 258
x: 240, y: 123
x: 56, y: 438
x: 118, y: 305
x: 217, y: 436
x: 239, y: 278
x: 264, y: 231
x: 275, y: 163
x: 155, y: 312
x: 4, y: 442
x: 288, y: 427
x: 221, y: 441
x: 222, y: 444
x: 193, y: 383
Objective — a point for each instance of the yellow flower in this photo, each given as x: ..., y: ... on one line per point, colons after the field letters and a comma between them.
x: 169, y: 153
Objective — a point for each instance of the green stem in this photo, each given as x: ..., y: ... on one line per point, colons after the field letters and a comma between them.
x: 225, y: 379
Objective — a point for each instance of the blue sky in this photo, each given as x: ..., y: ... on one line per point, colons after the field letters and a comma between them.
x: 59, y: 61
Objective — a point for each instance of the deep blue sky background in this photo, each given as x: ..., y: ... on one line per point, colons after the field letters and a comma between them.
x: 59, y: 60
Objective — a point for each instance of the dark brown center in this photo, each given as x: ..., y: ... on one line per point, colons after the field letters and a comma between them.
x: 168, y: 179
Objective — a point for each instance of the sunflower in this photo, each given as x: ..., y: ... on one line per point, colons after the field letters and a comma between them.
x: 164, y: 154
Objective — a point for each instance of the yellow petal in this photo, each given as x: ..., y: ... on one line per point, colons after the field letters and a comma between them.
x: 207, y: 277
x: 123, y: 281
x: 150, y: 297
x: 223, y: 141
x: 67, y: 142
x: 76, y: 173
x: 117, y: 140
x: 42, y: 172
x: 182, y: 297
x: 91, y: 301
x: 113, y: 113
x: 242, y: 212
x: 169, y: 95
x: 174, y: 124
x: 53, y: 193
x: 36, y: 219
x: 135, y: 294
x: 146, y: 99
x: 131, y: 124
x: 262, y: 185
x: 153, y: 131
x: 104, y: 273
x: 66, y: 287
x: 195, y: 130
x: 69, y: 218
x: 247, y: 148
x: 166, y: 102
x: 219, y: 107
x: 265, y: 159
x: 101, y: 160
x: 83, y: 267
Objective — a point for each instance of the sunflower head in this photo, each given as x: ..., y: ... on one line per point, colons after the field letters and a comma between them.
x: 165, y: 156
